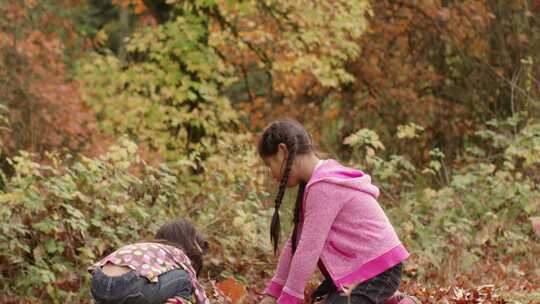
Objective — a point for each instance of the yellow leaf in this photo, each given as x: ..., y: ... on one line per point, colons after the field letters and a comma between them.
x: 38, y: 253
x: 238, y: 221
x: 9, y: 197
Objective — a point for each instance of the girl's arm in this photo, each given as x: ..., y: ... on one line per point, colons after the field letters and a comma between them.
x: 323, y: 204
x: 282, y: 271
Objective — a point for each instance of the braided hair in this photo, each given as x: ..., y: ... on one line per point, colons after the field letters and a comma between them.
x: 297, y: 140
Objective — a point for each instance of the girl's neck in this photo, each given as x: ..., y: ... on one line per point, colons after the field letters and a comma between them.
x: 306, y: 165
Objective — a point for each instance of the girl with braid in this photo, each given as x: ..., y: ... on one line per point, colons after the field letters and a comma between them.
x: 339, y: 227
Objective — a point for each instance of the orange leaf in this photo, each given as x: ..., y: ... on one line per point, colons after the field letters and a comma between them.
x: 139, y: 7
x: 232, y: 289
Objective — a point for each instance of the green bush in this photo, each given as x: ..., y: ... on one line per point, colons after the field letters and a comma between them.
x: 58, y: 218
x: 454, y: 218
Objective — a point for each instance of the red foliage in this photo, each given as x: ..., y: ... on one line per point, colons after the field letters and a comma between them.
x: 45, y: 109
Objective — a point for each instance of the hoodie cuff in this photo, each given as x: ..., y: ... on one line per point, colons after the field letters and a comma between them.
x: 274, y: 289
x: 286, y: 298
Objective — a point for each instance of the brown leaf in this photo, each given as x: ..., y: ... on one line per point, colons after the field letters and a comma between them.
x: 535, y: 221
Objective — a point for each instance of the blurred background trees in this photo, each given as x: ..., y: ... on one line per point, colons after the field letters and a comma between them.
x: 117, y: 111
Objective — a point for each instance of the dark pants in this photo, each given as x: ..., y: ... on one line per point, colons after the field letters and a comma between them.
x: 373, y: 291
x: 131, y: 288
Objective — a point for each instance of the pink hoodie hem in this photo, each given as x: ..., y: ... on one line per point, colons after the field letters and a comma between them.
x: 286, y: 298
x: 374, y: 267
x: 274, y: 289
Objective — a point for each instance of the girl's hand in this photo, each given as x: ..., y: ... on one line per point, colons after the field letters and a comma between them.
x: 177, y: 300
x: 268, y: 300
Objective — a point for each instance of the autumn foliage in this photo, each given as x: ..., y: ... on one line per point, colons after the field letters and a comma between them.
x: 447, y: 66
x: 436, y: 100
x: 44, y: 106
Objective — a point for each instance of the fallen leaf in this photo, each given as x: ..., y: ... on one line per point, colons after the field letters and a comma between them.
x: 232, y: 289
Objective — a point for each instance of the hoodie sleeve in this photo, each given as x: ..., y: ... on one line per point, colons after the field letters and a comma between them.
x: 323, y: 203
x: 282, y: 271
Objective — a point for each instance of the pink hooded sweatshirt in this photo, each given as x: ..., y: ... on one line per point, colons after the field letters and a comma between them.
x: 344, y: 228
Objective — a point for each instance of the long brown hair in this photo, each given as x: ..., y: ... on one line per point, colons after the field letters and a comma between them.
x: 183, y: 235
x: 297, y: 140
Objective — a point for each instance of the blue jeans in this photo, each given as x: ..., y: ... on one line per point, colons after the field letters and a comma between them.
x: 130, y: 288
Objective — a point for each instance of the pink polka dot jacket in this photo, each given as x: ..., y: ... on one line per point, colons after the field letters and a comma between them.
x: 150, y: 260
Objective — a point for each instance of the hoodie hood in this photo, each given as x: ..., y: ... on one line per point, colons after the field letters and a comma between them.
x: 330, y: 171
